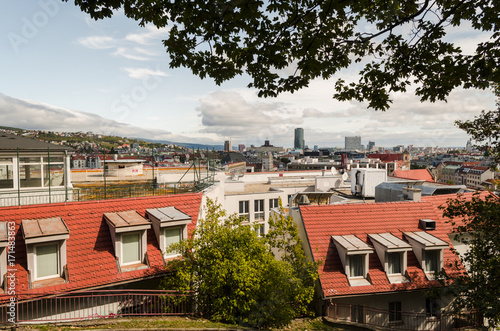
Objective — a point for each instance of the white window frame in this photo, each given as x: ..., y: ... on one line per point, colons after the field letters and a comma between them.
x: 243, y: 209
x: 274, y: 203
x: 350, y: 265
x: 259, y: 214
x: 139, y: 235
x: 8, y: 164
x: 58, y: 260
x: 347, y: 246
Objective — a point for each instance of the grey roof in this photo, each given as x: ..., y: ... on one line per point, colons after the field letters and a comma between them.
x: 13, y: 142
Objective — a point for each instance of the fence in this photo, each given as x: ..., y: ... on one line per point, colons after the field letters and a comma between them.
x: 83, y: 305
x: 398, y: 320
x: 33, y: 197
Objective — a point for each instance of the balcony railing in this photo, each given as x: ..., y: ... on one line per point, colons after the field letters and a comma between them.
x: 399, y: 320
x: 34, y: 196
x: 83, y: 305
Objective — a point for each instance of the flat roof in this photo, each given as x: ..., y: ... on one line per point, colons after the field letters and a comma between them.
x: 44, y: 227
x: 168, y: 214
x: 426, y: 239
x: 389, y: 241
x: 352, y: 243
x: 12, y: 142
x: 125, y: 219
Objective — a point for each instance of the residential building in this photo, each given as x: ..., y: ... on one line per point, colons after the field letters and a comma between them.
x: 380, y: 257
x: 33, y: 171
x: 299, y: 142
x: 83, y: 245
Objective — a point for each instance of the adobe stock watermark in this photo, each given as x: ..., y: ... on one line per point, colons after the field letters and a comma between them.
x: 31, y: 26
x: 11, y: 272
x: 137, y: 94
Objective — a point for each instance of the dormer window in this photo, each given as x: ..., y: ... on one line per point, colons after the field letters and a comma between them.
x: 170, y: 226
x: 428, y: 250
x: 392, y: 253
x: 354, y: 254
x: 46, y: 250
x: 129, y: 235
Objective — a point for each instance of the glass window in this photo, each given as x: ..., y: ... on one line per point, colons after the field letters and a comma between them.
x: 395, y: 311
x: 6, y: 176
x: 52, y: 159
x: 394, y: 263
x: 53, y: 175
x: 432, y: 258
x: 273, y: 203
x: 172, y: 236
x: 46, y: 261
x: 131, y: 248
x: 30, y: 175
x: 259, y: 209
x: 356, y: 268
x: 243, y: 209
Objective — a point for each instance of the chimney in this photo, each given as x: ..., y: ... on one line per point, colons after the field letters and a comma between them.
x: 411, y: 193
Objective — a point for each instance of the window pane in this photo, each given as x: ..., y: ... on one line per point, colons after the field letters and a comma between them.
x: 172, y: 236
x: 6, y: 176
x: 394, y: 261
x: 259, y: 209
x: 131, y: 248
x: 432, y: 260
x: 46, y: 261
x: 243, y: 209
x: 53, y: 159
x: 356, y: 265
x: 30, y: 175
x: 56, y: 173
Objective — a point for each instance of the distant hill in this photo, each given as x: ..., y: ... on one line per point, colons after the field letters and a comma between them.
x: 186, y: 145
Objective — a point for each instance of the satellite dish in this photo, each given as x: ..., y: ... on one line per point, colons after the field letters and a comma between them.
x: 333, y: 171
x: 345, y: 176
x: 337, y: 183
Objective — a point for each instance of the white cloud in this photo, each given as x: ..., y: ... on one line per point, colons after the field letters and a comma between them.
x: 126, y: 53
x: 141, y: 73
x: 97, y: 42
x: 37, y: 116
x: 150, y: 34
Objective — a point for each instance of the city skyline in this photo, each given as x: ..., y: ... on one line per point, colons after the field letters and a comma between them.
x: 65, y: 72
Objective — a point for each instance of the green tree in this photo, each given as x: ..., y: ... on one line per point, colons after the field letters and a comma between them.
x: 283, y: 45
x: 234, y: 275
x: 477, y: 225
x: 485, y: 130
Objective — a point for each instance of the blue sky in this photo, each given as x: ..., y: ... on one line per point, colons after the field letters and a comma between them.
x: 63, y: 71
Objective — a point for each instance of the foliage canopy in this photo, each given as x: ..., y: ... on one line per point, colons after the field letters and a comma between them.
x: 478, y: 287
x: 283, y: 45
x: 235, y: 276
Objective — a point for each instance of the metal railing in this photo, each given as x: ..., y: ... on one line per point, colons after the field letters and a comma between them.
x: 83, y: 305
x: 398, y: 320
x: 33, y: 197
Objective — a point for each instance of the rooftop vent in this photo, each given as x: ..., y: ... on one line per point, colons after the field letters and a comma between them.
x: 427, y: 224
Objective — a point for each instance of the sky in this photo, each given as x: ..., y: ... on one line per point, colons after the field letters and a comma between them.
x: 63, y: 71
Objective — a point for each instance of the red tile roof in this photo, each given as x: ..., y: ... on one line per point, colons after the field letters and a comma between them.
x: 90, y: 253
x: 324, y: 221
x: 385, y: 157
x: 416, y: 174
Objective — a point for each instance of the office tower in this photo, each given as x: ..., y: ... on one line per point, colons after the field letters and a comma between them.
x: 353, y: 143
x: 299, y: 139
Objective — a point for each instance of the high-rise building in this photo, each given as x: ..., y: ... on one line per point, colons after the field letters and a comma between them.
x: 227, y: 146
x: 353, y: 143
x: 241, y: 148
x: 299, y: 139
x: 371, y: 144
